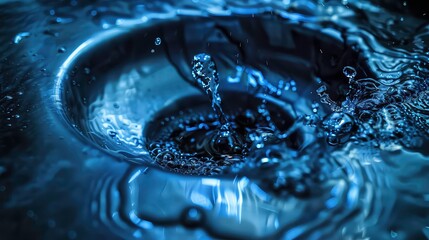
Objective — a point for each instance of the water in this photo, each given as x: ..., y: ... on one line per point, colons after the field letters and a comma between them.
x: 302, y: 120
x: 197, y: 142
x: 195, y: 137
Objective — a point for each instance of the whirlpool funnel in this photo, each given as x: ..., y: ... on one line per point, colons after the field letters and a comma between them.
x: 114, y: 86
x: 213, y: 120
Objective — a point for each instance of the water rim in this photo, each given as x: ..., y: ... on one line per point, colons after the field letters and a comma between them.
x: 86, y: 48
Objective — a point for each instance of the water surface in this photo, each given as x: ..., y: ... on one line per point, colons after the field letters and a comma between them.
x: 84, y: 83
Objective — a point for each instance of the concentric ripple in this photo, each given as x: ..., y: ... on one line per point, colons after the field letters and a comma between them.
x: 348, y: 202
x: 342, y: 80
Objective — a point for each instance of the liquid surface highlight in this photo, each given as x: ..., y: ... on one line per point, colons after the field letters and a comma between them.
x: 303, y: 120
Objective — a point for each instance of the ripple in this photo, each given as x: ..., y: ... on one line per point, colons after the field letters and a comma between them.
x: 352, y: 200
x: 348, y: 192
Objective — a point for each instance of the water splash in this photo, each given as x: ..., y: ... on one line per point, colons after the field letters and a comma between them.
x: 384, y: 115
x: 205, y: 73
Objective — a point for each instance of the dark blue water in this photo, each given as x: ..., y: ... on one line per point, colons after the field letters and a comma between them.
x: 214, y: 120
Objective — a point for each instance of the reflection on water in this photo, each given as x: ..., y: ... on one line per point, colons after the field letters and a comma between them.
x: 337, y: 91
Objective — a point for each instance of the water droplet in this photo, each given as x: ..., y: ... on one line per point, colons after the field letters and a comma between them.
x: 349, y: 72
x: 61, y: 50
x: 157, y: 41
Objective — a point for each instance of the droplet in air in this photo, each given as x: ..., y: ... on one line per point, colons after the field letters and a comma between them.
x: 349, y: 72
x: 157, y: 41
